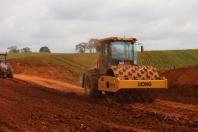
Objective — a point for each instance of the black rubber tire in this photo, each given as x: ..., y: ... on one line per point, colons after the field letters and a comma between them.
x: 9, y: 73
x: 91, y: 83
x: 1, y: 75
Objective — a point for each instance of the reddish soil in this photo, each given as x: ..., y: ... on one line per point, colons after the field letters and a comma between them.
x: 49, y: 83
x: 26, y: 106
x: 50, y: 72
x: 183, y: 85
x: 183, y: 76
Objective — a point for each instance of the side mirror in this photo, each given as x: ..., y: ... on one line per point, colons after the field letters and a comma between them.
x: 142, y: 49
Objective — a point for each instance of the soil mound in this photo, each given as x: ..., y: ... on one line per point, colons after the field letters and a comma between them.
x: 183, y: 84
x: 46, y: 71
x: 187, y: 77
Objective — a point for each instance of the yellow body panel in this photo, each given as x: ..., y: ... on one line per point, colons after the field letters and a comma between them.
x: 114, y: 39
x: 113, y: 84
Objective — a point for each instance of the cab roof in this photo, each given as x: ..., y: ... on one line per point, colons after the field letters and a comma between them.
x: 3, y: 54
x: 117, y: 39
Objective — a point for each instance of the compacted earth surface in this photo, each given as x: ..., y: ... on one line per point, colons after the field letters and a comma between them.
x: 34, y: 103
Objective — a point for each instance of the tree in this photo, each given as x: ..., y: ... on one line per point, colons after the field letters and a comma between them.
x: 44, y: 49
x: 81, y: 47
x: 13, y: 49
x: 26, y: 49
x: 93, y: 44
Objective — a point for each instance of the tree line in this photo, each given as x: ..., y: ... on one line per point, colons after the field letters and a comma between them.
x: 15, y: 49
x: 91, y: 46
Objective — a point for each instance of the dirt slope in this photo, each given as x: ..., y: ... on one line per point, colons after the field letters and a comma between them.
x: 63, y: 67
x: 60, y: 73
x: 183, y: 85
x: 186, y: 77
x: 50, y: 83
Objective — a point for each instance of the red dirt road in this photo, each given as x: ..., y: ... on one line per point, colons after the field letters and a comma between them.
x: 39, y: 104
x: 49, y: 83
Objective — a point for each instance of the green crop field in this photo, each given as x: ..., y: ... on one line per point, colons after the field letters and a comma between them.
x: 78, y: 63
x: 165, y: 60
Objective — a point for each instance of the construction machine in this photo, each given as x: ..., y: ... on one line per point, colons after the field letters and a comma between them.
x: 5, y: 68
x: 117, y: 71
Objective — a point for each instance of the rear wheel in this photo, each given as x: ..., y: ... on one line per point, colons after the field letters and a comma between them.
x: 9, y: 72
x: 91, y: 83
x: 1, y: 74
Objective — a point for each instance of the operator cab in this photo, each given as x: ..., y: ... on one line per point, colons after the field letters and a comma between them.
x: 116, y: 51
x: 123, y: 52
x: 3, y: 64
x: 3, y: 57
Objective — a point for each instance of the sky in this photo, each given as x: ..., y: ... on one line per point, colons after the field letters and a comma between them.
x: 61, y: 24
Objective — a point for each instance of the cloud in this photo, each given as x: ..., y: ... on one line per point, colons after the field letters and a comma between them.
x: 60, y: 24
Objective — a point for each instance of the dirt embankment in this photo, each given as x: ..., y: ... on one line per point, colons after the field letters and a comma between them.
x: 51, y: 83
x: 183, y: 84
x: 185, y: 77
x: 46, y: 71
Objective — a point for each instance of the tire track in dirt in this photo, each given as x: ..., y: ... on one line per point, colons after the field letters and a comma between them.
x: 184, y: 114
x: 49, y: 83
